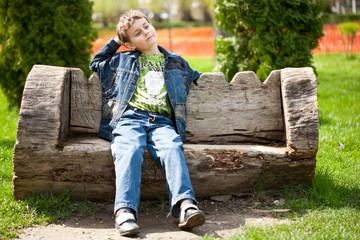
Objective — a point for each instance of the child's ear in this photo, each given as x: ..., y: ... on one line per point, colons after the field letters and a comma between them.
x: 129, y: 46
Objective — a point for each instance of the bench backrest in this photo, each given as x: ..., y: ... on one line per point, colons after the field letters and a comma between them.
x: 282, y: 111
x: 246, y: 110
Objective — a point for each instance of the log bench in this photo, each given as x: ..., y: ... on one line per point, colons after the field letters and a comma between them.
x: 240, y: 136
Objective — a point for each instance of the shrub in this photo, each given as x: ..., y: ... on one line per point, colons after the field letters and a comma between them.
x: 334, y: 18
x: 56, y: 32
x: 348, y: 32
x: 267, y: 35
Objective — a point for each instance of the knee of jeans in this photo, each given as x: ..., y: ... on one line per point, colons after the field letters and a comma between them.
x: 175, y: 145
x: 130, y: 149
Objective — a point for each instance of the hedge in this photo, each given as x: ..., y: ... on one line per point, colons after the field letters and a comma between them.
x: 56, y: 32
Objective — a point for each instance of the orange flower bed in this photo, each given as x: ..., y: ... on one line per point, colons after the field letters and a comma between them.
x: 199, y: 41
x: 190, y: 42
x: 332, y: 42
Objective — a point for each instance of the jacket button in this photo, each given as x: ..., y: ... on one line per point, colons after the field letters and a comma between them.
x: 126, y: 102
x: 133, y: 81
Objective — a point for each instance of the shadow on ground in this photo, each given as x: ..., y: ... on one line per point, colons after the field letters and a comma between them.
x: 223, y: 219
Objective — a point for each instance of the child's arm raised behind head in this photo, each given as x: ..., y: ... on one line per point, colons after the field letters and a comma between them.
x: 116, y: 39
x: 106, y: 52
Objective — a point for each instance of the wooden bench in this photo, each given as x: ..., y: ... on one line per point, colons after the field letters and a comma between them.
x: 240, y: 136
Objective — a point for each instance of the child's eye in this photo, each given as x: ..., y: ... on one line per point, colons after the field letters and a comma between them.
x: 137, y: 33
x: 146, y: 26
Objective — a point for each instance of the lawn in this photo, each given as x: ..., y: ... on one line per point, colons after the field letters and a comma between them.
x: 37, y: 209
x: 330, y: 209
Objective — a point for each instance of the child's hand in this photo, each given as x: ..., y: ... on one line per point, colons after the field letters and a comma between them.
x: 117, y: 40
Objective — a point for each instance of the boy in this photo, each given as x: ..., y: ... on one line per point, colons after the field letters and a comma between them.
x: 144, y: 96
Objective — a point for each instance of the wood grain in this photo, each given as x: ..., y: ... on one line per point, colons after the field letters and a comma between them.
x: 245, y: 110
x: 85, y: 102
x: 301, y: 113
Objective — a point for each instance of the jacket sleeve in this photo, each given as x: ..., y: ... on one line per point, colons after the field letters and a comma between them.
x: 105, y: 53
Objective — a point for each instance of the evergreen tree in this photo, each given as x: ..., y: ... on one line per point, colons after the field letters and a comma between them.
x: 264, y: 35
x: 56, y: 32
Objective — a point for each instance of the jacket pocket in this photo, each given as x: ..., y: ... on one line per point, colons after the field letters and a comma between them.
x: 109, y: 86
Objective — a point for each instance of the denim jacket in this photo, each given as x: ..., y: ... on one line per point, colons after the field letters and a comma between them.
x: 119, y: 74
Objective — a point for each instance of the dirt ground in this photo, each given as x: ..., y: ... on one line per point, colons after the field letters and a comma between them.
x: 223, y: 219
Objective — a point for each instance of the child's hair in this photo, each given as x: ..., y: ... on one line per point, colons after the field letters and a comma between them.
x: 125, y: 22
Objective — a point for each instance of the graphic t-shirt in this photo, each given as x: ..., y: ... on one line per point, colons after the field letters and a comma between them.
x: 150, y: 94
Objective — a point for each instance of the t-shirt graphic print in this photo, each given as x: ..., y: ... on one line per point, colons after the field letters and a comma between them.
x: 150, y: 94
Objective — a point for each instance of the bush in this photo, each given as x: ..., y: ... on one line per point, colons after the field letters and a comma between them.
x: 335, y: 18
x: 267, y: 35
x: 348, y: 32
x: 56, y: 32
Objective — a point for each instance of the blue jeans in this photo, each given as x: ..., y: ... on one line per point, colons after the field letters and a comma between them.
x: 139, y: 129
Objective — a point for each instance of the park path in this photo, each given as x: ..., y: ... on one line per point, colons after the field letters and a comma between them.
x: 223, y: 219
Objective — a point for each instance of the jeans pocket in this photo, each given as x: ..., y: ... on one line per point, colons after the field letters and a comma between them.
x: 128, y: 113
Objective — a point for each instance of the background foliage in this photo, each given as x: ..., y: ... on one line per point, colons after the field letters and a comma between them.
x: 56, y: 32
x: 267, y: 35
x: 340, y: 18
x: 348, y: 32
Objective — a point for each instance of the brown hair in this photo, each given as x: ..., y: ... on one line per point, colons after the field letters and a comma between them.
x: 125, y: 22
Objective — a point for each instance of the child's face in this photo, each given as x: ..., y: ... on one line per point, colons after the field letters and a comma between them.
x: 142, y: 37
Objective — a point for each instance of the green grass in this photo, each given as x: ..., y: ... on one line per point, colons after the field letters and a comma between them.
x: 201, y: 64
x: 318, y: 224
x: 330, y: 209
x: 37, y: 209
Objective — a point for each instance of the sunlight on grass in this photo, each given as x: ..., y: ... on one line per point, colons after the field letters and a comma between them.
x: 339, y: 136
x: 201, y: 64
x: 37, y: 209
x: 8, y: 125
x: 317, y: 224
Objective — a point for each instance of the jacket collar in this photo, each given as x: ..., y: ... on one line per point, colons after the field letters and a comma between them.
x: 166, y: 53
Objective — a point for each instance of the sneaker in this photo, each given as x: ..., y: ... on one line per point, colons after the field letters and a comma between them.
x: 191, y: 216
x: 125, y: 222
